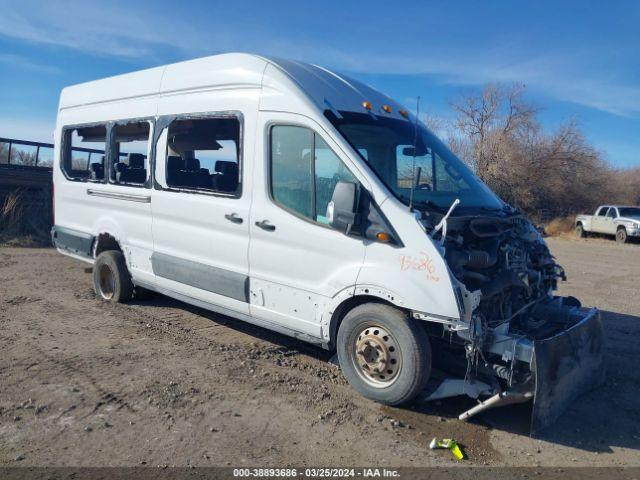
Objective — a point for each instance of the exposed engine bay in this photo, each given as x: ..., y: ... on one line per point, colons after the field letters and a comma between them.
x: 513, y: 324
x: 509, y: 264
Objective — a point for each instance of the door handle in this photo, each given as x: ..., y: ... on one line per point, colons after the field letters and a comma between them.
x: 265, y: 225
x: 233, y: 217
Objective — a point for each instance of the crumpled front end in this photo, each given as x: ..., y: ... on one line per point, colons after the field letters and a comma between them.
x: 516, y: 341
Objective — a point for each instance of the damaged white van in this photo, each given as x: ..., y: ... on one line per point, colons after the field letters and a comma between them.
x: 298, y: 199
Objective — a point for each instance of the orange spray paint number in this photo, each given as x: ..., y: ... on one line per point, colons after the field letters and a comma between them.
x: 420, y: 263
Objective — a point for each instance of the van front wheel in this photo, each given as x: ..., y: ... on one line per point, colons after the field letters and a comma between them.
x: 111, y: 278
x: 383, y: 354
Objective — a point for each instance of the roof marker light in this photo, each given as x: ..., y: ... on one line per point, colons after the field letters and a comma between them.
x: 386, y: 108
x: 366, y: 104
x: 404, y: 113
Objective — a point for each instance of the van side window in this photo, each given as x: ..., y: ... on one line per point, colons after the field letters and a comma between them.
x: 83, y: 157
x: 304, y: 171
x: 130, y: 163
x: 203, y: 154
x: 329, y: 170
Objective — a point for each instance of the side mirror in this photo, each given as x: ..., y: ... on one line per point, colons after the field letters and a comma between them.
x: 342, y: 209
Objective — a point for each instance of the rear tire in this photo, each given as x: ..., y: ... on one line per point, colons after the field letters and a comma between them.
x: 383, y: 354
x: 111, y: 278
x: 580, y: 231
x: 621, y: 235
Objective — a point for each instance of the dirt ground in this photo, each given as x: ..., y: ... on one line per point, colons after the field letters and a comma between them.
x: 162, y: 383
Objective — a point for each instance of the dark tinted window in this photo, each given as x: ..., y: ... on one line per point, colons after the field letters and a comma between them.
x: 603, y: 212
x: 629, y: 212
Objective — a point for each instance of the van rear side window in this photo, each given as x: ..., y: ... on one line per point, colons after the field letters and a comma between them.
x: 83, y: 157
x: 131, y: 159
x: 203, y: 154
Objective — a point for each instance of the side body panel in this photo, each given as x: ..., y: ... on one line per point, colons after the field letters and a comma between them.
x: 300, y: 266
x: 198, y: 252
x: 404, y: 276
x: 586, y: 221
x: 94, y: 208
x: 611, y: 225
x: 415, y: 274
x: 599, y: 222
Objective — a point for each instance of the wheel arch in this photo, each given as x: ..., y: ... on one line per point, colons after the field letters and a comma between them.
x: 346, y: 305
x: 105, y: 241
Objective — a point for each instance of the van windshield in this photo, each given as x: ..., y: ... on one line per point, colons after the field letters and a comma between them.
x: 386, y: 144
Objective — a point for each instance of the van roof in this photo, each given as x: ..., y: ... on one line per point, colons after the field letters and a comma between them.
x: 325, y: 88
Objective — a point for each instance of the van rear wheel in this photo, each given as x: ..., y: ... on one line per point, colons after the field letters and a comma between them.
x: 383, y: 354
x: 111, y: 278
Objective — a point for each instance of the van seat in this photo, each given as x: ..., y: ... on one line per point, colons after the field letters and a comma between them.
x: 174, y: 164
x: 97, y: 171
x: 135, y: 160
x: 131, y: 169
x: 191, y: 164
x: 187, y: 173
x: 226, y: 176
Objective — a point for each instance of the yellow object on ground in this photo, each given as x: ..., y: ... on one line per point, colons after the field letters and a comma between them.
x: 450, y: 444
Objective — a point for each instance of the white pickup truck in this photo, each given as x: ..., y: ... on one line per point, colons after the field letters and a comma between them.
x: 620, y: 221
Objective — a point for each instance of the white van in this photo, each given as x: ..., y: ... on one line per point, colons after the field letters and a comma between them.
x: 298, y: 199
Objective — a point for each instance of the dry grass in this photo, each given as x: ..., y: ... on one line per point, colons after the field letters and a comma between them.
x: 25, y: 218
x: 561, y: 226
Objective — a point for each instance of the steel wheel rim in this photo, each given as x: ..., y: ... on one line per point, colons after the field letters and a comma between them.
x: 620, y: 235
x: 106, y: 282
x: 376, y: 356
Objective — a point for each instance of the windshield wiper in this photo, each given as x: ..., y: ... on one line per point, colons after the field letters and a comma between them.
x: 428, y: 204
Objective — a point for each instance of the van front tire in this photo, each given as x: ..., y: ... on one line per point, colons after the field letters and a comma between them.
x: 383, y: 354
x: 111, y: 278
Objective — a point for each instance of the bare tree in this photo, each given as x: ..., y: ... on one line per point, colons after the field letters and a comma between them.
x: 488, y: 121
x: 497, y: 133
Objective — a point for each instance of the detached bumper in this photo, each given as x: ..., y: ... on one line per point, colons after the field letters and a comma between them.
x: 567, y: 365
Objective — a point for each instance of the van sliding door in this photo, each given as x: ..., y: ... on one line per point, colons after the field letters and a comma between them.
x: 201, y: 208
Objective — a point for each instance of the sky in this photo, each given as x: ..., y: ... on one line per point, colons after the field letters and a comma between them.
x: 579, y: 60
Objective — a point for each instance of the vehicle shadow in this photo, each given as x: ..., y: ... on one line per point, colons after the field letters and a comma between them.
x: 289, y: 344
x: 603, y: 419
